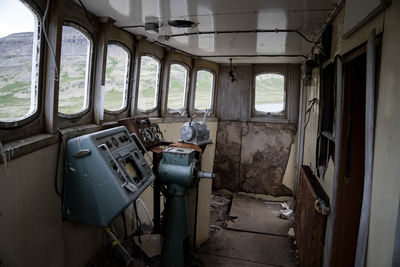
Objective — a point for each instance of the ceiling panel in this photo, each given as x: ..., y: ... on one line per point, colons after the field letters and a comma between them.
x: 306, y: 16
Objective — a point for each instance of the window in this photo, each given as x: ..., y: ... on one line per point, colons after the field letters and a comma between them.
x: 204, y: 90
x: 270, y: 93
x: 117, y: 71
x: 76, y: 50
x: 148, y: 83
x: 177, y: 87
x: 19, y: 61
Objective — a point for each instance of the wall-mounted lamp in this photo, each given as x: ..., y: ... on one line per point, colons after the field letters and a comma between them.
x: 232, y: 72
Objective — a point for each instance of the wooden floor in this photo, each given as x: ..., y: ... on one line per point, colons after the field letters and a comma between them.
x: 249, y: 248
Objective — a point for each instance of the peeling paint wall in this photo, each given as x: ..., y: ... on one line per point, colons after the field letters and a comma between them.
x: 264, y: 157
x: 252, y: 154
x: 253, y: 157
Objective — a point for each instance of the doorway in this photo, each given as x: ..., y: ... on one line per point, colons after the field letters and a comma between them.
x: 351, y: 173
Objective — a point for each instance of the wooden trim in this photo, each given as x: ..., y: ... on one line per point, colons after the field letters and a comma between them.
x: 52, y: 82
x: 369, y: 151
x: 338, y: 156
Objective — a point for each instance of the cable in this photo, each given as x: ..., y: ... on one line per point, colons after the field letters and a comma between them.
x: 239, y: 32
x: 138, y: 222
x: 87, y: 16
x: 311, y: 104
x: 57, y: 163
x: 53, y: 55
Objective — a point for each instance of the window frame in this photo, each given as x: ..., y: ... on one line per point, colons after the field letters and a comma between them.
x: 214, y: 85
x: 36, y: 115
x: 89, y: 91
x: 127, y: 76
x: 269, y: 115
x: 182, y: 111
x: 159, y: 84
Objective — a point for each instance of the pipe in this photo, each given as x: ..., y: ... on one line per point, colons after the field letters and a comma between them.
x: 239, y: 32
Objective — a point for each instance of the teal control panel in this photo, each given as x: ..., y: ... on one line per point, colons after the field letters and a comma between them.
x: 104, y: 172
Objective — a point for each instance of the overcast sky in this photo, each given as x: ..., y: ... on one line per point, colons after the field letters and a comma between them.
x: 15, y: 17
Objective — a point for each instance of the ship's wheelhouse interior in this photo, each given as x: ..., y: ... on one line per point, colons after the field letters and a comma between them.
x: 199, y: 133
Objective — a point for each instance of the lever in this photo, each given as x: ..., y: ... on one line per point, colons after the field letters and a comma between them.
x: 207, y: 175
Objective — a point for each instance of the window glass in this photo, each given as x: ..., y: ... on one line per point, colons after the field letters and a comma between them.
x: 148, y: 83
x: 19, y: 61
x: 177, y: 87
x: 204, y: 90
x: 74, y: 71
x: 116, y: 85
x: 270, y: 93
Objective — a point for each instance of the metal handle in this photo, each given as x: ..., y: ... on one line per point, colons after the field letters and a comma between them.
x: 128, y: 185
x: 144, y: 149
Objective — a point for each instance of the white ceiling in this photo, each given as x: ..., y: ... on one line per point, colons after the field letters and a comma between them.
x: 306, y: 16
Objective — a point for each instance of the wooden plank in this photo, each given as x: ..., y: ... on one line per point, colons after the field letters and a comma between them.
x: 218, y: 261
x: 369, y: 152
x: 310, y: 225
x: 257, y: 248
x: 258, y: 216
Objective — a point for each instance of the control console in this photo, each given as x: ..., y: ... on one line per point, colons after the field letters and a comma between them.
x: 104, y: 172
x: 148, y: 133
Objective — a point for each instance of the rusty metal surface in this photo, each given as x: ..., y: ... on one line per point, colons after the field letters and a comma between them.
x: 309, y: 225
x: 252, y: 157
x: 227, y: 156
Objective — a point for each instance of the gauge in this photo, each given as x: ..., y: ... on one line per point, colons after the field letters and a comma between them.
x: 114, y: 141
x: 187, y: 133
x: 149, y: 134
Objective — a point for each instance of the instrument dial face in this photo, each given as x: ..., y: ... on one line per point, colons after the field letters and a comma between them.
x: 149, y: 134
x: 187, y: 133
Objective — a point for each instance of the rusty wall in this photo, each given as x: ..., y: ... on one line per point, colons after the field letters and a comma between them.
x: 252, y: 157
x: 252, y: 153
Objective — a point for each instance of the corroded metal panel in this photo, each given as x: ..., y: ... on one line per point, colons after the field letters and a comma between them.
x: 252, y: 157
x: 264, y: 156
x: 227, y: 156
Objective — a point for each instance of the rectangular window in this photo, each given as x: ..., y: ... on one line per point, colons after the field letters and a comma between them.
x: 19, y: 61
x: 204, y: 90
x: 116, y: 86
x: 270, y: 94
x: 76, y: 50
x: 148, y: 83
x: 177, y: 87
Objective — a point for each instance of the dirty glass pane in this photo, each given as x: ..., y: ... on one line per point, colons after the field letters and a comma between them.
x: 177, y: 87
x: 148, y: 83
x: 270, y: 93
x: 74, y: 71
x: 19, y: 61
x: 204, y: 90
x: 116, y: 85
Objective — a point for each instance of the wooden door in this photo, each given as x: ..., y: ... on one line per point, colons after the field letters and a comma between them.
x: 351, y: 177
